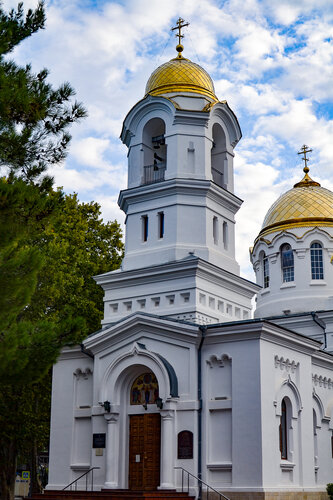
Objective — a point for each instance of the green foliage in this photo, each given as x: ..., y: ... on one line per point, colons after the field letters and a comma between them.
x: 329, y: 489
x: 34, y: 117
x: 76, y: 246
x: 55, y: 301
x: 47, y: 246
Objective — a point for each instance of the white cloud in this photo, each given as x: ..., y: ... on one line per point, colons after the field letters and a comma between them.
x: 272, y: 61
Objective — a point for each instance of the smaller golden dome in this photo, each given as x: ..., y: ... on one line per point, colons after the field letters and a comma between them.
x: 180, y: 75
x: 306, y: 204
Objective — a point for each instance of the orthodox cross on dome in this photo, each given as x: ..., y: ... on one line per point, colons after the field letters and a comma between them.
x: 306, y: 181
x: 180, y: 24
x: 305, y: 149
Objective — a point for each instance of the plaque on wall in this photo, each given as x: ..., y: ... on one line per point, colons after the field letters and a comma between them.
x: 98, y: 440
x: 185, y: 444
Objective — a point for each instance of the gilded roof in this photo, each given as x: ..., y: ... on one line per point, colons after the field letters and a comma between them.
x: 306, y: 204
x: 180, y: 75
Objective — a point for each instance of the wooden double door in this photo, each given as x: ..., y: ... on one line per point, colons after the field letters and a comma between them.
x: 144, y: 451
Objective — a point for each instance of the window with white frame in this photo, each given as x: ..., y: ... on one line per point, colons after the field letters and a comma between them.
x: 317, y: 267
x: 265, y: 264
x: 283, y: 431
x: 287, y: 263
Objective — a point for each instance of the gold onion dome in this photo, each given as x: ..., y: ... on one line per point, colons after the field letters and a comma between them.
x: 306, y: 204
x: 180, y: 75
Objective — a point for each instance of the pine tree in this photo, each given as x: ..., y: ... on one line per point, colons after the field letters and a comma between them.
x: 34, y: 117
x: 34, y: 123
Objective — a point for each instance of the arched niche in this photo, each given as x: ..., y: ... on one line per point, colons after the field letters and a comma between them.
x: 219, y: 162
x: 154, y: 151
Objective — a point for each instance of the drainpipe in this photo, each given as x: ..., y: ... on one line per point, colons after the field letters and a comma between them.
x: 84, y: 351
x: 322, y: 325
x: 203, y: 329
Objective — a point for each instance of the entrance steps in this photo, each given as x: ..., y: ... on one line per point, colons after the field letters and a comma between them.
x: 111, y: 495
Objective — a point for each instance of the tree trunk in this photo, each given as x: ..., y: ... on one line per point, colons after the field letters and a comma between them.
x: 8, y: 458
x: 35, y: 484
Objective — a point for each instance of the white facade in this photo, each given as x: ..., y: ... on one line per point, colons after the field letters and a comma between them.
x: 179, y: 310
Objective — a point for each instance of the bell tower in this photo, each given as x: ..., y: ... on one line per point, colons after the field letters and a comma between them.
x: 180, y: 204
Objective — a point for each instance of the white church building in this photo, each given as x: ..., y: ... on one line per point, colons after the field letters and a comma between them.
x: 181, y: 376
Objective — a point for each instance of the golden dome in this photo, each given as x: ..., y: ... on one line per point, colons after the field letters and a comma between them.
x: 180, y: 75
x: 306, y: 204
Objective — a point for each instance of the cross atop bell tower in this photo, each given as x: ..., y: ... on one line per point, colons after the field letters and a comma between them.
x: 180, y: 24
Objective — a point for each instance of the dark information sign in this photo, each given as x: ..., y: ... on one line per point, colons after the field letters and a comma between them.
x: 98, y: 440
x: 185, y: 444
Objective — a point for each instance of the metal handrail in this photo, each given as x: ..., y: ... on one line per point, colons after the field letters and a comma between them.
x: 84, y: 474
x: 201, y: 481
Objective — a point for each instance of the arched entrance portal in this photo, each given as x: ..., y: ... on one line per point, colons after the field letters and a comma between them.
x: 144, y: 434
x: 136, y: 418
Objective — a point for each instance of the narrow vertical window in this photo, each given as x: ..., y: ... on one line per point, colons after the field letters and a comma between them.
x: 215, y: 230
x: 144, y: 219
x: 225, y: 235
x: 315, y: 437
x: 287, y: 263
x: 317, y: 268
x: 266, y: 271
x: 283, y: 431
x: 160, y: 224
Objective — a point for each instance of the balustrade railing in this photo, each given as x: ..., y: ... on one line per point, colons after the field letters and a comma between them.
x: 153, y: 173
x: 218, y: 177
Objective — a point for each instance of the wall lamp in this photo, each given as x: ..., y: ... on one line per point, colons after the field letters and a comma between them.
x: 106, y: 405
x: 159, y: 403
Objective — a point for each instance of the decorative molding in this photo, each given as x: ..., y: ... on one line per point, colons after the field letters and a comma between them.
x: 287, y: 466
x: 82, y: 373
x: 167, y: 414
x: 215, y: 360
x: 300, y: 252
x: 111, y: 418
x: 325, y: 382
x: 220, y: 466
x: 285, y: 364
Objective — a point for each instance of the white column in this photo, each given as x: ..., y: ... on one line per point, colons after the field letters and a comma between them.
x: 167, y: 449
x: 112, y: 450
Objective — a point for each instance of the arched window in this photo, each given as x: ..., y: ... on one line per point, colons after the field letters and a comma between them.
x: 317, y: 268
x: 283, y: 430
x: 265, y: 265
x: 219, y: 157
x: 215, y: 230
x: 287, y: 263
x: 315, y: 437
x: 225, y: 235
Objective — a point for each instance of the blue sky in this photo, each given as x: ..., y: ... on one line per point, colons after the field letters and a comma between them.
x: 271, y: 60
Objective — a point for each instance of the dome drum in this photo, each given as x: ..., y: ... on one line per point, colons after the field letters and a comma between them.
x: 292, y: 255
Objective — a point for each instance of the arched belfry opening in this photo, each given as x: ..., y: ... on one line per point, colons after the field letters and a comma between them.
x: 219, y: 157
x: 154, y: 151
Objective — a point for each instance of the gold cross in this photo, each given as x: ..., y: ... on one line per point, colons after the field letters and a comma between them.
x: 180, y: 24
x: 305, y: 149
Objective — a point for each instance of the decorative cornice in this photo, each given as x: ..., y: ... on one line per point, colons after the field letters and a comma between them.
x: 285, y: 364
x: 82, y: 373
x: 325, y: 382
x: 215, y: 360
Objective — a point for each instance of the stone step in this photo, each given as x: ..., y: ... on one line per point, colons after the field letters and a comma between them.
x: 111, y: 494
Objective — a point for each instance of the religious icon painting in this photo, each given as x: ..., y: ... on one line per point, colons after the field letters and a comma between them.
x: 144, y: 389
